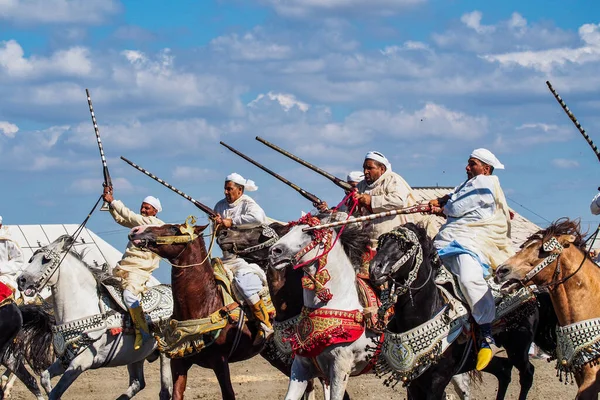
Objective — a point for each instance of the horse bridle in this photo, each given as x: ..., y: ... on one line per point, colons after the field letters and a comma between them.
x: 415, y: 251
x: 556, y: 249
x: 267, y: 231
x: 48, y: 271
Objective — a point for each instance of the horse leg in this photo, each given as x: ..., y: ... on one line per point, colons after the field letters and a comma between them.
x: 221, y: 370
x: 299, y: 378
x: 501, y: 368
x: 179, y: 370
x: 24, y: 376
x: 79, y: 365
x: 339, y: 374
x: 136, y: 380
x: 462, y: 385
x: 166, y: 381
x: 46, y: 376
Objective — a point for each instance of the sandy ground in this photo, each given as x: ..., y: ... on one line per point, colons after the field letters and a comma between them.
x: 255, y: 379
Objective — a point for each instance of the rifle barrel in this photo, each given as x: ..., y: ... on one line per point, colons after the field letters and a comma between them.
x: 340, y: 182
x: 307, y: 195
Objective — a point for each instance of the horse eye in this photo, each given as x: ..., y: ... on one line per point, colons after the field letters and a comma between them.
x: 45, y: 260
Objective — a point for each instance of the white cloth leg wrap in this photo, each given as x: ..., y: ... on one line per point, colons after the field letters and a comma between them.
x: 474, y: 287
x: 249, y: 285
x: 130, y: 299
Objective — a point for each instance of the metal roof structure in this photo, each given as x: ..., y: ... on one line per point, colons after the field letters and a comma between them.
x: 521, y: 227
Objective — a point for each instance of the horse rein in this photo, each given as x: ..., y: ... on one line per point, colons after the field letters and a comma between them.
x: 267, y: 232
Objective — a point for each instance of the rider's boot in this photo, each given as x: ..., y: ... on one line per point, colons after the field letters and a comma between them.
x: 262, y: 315
x: 486, y: 348
x: 142, y: 333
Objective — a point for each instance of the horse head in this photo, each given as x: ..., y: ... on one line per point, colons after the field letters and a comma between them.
x: 42, y: 268
x: 168, y: 241
x: 538, y: 260
x: 400, y: 254
x: 251, y: 241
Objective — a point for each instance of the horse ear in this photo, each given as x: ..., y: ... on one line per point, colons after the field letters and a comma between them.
x: 566, y: 240
x: 198, y: 229
x: 66, y: 242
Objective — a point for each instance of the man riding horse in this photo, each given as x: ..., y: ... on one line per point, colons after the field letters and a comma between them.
x: 475, y: 239
x: 11, y: 260
x: 136, y: 266
x: 238, y: 208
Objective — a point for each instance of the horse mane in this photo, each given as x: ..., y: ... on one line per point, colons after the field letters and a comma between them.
x: 562, y: 226
x: 429, y: 251
x: 354, y: 241
x: 99, y: 275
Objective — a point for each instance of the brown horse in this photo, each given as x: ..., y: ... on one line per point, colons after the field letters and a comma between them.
x: 196, y: 295
x: 555, y: 258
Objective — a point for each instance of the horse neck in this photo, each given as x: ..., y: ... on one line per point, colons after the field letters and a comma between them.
x: 75, y: 292
x: 578, y: 298
x: 286, y: 293
x: 195, y: 291
x: 418, y: 307
x: 342, y: 284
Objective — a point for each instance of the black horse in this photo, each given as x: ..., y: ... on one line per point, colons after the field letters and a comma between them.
x: 424, y: 300
x: 25, y: 336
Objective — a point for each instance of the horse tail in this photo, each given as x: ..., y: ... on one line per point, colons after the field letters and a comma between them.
x: 33, y: 343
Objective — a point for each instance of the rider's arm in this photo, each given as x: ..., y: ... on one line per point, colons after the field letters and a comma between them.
x: 124, y: 216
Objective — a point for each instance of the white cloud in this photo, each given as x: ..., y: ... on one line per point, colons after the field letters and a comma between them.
x: 94, y: 185
x: 286, y: 101
x: 549, y: 59
x: 71, y: 62
x: 304, y: 8
x: 250, y: 47
x: 8, y: 129
x: 57, y: 11
x: 198, y: 174
x: 473, y: 21
x: 565, y: 163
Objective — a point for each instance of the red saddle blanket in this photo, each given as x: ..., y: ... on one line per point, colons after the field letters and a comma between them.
x: 5, y: 292
x: 323, y: 327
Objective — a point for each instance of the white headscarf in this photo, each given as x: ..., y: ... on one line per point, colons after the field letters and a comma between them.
x: 355, y: 176
x: 248, y: 184
x: 487, y: 157
x: 0, y: 219
x: 377, y: 156
x: 154, y: 202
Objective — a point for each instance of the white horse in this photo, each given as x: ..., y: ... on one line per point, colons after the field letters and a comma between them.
x: 336, y: 362
x: 83, y: 319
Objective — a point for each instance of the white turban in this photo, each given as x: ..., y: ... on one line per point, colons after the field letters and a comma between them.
x: 248, y: 184
x: 355, y: 176
x: 377, y: 156
x: 487, y: 157
x: 154, y: 202
x: 0, y: 219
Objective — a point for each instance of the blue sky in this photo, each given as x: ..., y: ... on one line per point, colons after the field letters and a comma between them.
x: 423, y: 81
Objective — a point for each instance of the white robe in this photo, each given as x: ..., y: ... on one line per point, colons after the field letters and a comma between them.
x: 11, y: 260
x: 249, y: 279
x: 242, y: 211
x: 595, y: 206
x: 479, y: 221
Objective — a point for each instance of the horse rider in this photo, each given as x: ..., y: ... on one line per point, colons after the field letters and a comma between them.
x: 354, y: 177
x: 237, y: 208
x: 11, y: 260
x: 136, y: 265
x: 475, y: 239
x: 595, y: 206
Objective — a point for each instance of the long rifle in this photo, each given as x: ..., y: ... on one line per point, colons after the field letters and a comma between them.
x: 340, y: 182
x: 107, y: 180
x: 419, y: 208
x: 201, y: 206
x: 309, y: 196
x: 572, y: 117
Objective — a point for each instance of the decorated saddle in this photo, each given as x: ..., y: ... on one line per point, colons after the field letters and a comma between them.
x: 157, y: 301
x: 6, y: 294
x: 405, y: 356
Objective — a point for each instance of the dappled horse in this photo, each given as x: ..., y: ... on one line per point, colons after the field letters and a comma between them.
x: 329, y: 338
x: 22, y: 329
x: 198, y: 296
x: 425, y: 344
x: 555, y: 258
x: 89, y: 332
